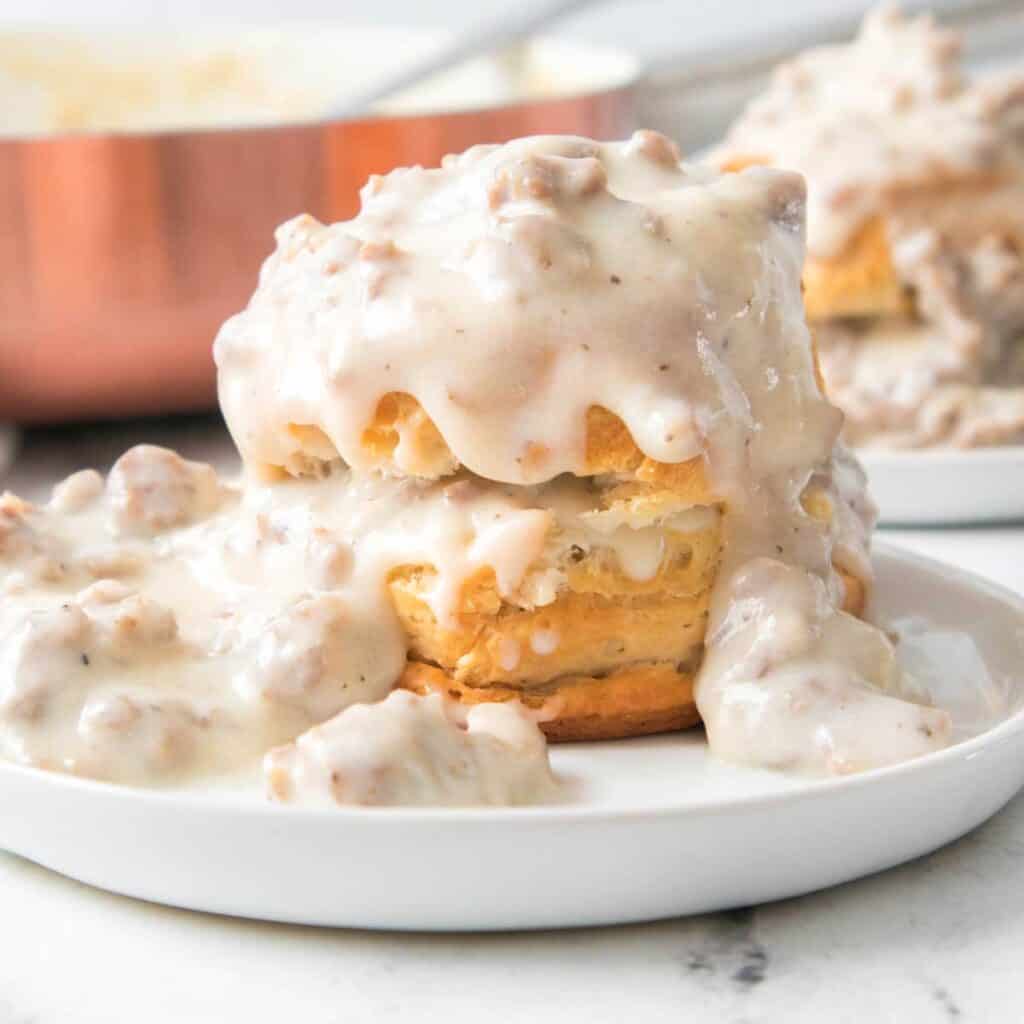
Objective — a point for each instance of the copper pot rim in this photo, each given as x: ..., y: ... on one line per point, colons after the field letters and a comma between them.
x: 628, y: 77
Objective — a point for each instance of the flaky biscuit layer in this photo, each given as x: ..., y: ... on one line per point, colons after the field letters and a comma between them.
x: 598, y: 663
x: 402, y: 440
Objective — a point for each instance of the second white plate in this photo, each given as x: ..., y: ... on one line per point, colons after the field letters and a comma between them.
x: 658, y: 828
x: 947, y: 487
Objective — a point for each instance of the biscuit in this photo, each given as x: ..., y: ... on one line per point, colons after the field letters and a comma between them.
x: 858, y: 281
x: 400, y: 420
x: 608, y: 657
x: 634, y: 700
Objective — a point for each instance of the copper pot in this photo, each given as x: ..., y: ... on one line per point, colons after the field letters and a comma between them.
x: 120, y: 255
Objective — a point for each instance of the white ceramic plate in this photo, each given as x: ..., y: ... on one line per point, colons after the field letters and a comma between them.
x: 659, y: 828
x: 916, y: 488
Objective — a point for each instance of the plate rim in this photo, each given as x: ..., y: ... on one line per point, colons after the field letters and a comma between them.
x: 225, y: 802
x: 904, y: 456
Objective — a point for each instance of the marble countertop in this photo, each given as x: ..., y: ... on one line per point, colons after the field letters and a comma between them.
x: 936, y: 940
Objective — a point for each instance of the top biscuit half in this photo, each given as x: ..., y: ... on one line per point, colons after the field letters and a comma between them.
x: 553, y: 305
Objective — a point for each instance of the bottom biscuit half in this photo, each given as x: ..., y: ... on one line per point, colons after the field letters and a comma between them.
x: 633, y: 701
x: 638, y: 699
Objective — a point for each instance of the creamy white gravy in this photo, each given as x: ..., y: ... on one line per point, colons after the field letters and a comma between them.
x: 166, y: 622
x: 903, y: 384
x: 416, y: 750
x: 875, y: 118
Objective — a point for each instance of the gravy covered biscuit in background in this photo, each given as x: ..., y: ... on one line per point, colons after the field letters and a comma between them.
x: 914, y: 280
x: 539, y: 427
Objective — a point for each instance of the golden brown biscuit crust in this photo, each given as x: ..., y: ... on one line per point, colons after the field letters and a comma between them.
x: 860, y: 281
x: 633, y: 700
x: 626, y: 651
x: 590, y: 634
x: 399, y: 419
